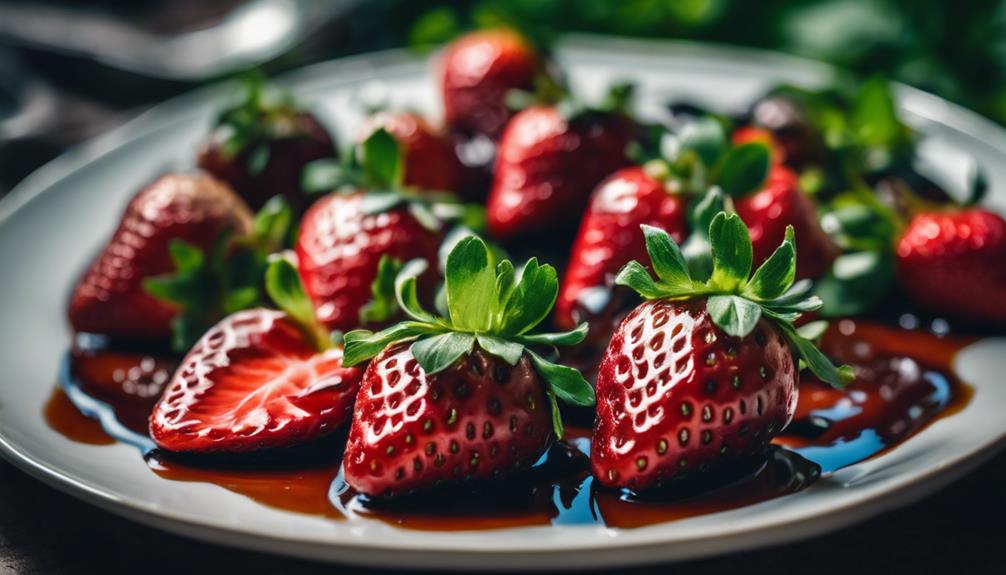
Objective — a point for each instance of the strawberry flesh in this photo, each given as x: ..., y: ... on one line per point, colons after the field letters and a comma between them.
x: 609, y: 235
x: 954, y: 263
x: 109, y: 299
x: 253, y: 382
x: 676, y: 395
x: 340, y: 246
x: 476, y: 419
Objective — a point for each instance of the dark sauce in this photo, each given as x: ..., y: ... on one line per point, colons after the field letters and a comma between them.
x: 904, y: 384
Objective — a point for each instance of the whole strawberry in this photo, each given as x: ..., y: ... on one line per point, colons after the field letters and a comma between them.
x: 549, y: 160
x: 259, y: 379
x: 609, y: 236
x: 702, y: 374
x: 954, y: 262
x: 261, y: 145
x: 478, y: 70
x: 110, y: 298
x: 462, y: 397
x: 430, y: 160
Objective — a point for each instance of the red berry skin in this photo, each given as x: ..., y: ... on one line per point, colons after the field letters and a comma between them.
x: 546, y: 168
x: 477, y: 71
x: 339, y: 248
x: 299, y: 140
x: 676, y: 395
x: 781, y: 203
x: 475, y: 420
x: 609, y: 235
x: 253, y: 382
x: 109, y: 299
x: 954, y: 263
x: 430, y: 160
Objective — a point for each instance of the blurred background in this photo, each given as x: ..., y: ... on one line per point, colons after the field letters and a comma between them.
x: 70, y: 69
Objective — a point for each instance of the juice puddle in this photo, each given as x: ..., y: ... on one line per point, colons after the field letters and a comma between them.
x: 904, y: 384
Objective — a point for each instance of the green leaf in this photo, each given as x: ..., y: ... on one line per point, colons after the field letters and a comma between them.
x: 282, y: 282
x: 571, y: 337
x: 666, y: 259
x: 732, y: 252
x: 508, y: 351
x: 361, y: 345
x: 634, y: 276
x: 743, y: 169
x: 777, y: 273
x: 406, y: 293
x: 322, y: 176
x: 272, y: 222
x: 438, y: 352
x: 816, y: 361
x: 704, y: 137
x: 856, y: 283
x: 384, y: 304
x: 874, y: 115
x: 380, y: 202
x: 471, y: 285
x: 506, y: 282
x: 532, y: 298
x: 426, y: 218
x: 185, y: 256
x: 567, y: 383
x: 696, y: 250
x: 734, y: 314
x: 258, y: 159
x: 382, y: 160
x: 812, y: 331
x: 553, y: 405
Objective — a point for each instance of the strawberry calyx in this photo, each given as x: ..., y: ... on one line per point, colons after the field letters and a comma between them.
x: 377, y: 165
x: 209, y: 285
x: 735, y: 298
x: 488, y: 303
x: 282, y: 282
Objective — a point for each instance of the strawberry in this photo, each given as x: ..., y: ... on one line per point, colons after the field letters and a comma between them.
x: 952, y: 262
x: 261, y: 145
x: 609, y: 235
x: 702, y: 374
x: 462, y: 397
x: 430, y: 160
x: 779, y: 204
x: 547, y: 164
x: 259, y: 379
x: 110, y: 298
x: 477, y: 72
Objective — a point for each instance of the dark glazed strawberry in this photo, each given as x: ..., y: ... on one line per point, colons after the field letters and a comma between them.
x: 462, y: 397
x: 609, y: 235
x: 339, y: 248
x: 954, y: 263
x: 253, y: 382
x: 477, y: 72
x: 430, y: 160
x: 703, y: 374
x: 548, y: 164
x: 110, y: 298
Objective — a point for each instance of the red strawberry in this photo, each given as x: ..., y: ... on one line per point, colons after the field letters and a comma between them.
x: 780, y: 203
x: 546, y: 167
x: 477, y: 72
x: 954, y: 263
x: 692, y: 382
x: 609, y: 233
x: 460, y: 397
x: 254, y: 381
x: 260, y: 147
x: 340, y: 246
x: 475, y: 419
x: 430, y: 160
x: 110, y: 299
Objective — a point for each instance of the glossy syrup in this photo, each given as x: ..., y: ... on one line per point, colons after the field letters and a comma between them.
x: 904, y: 383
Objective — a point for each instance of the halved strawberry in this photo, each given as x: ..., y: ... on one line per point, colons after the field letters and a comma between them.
x: 430, y: 160
x: 954, y: 262
x: 703, y: 374
x: 609, y: 236
x: 547, y: 164
x: 478, y: 70
x: 466, y: 397
x: 259, y: 379
x: 110, y: 298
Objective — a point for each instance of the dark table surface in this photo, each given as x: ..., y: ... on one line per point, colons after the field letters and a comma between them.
x: 960, y: 529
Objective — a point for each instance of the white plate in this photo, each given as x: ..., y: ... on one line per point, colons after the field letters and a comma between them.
x: 56, y: 220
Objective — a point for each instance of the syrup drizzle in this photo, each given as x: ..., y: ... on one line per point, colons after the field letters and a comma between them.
x: 904, y: 384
